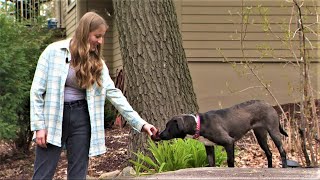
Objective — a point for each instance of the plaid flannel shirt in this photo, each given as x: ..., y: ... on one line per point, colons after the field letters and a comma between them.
x: 47, y: 99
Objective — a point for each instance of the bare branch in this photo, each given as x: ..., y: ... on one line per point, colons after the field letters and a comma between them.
x: 310, y: 43
x: 311, y: 30
x: 265, y: 86
x: 248, y: 88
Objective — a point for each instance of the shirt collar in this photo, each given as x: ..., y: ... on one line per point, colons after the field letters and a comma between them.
x: 65, y: 44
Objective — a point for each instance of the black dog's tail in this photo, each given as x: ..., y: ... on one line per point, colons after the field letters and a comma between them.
x: 282, y: 131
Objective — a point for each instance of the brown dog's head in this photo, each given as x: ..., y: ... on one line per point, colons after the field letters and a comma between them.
x: 174, y: 129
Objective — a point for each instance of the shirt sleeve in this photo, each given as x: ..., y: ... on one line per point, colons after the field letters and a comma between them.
x: 37, y: 92
x: 116, y: 97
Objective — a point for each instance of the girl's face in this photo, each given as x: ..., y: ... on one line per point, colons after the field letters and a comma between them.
x: 96, y: 37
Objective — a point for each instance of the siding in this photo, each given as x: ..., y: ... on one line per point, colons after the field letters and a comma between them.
x: 70, y: 18
x: 117, y: 58
x: 211, y: 30
x: 60, y: 12
x: 220, y: 85
x: 210, y: 25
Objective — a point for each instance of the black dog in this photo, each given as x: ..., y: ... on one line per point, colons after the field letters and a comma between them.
x: 224, y: 127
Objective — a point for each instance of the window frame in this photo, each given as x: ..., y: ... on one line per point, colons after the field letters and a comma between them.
x: 70, y: 4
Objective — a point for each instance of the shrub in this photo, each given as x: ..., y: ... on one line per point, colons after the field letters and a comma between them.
x: 173, y: 155
x: 110, y: 114
x: 21, y: 46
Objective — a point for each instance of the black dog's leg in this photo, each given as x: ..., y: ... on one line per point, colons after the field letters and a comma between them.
x: 277, y: 141
x: 230, y: 154
x: 210, y: 155
x: 261, y: 135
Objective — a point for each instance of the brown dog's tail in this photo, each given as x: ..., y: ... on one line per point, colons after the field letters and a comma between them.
x: 282, y: 131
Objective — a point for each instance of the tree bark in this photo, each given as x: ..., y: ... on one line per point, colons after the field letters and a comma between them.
x: 157, y: 76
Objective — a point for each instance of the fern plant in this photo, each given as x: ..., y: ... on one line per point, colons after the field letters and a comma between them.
x: 173, y: 155
x: 198, y: 153
x: 221, y: 156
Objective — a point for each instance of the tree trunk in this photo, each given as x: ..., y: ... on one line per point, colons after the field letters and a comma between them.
x: 157, y: 78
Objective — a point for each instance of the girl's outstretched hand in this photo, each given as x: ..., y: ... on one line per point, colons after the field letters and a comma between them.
x: 149, y: 129
x: 152, y: 131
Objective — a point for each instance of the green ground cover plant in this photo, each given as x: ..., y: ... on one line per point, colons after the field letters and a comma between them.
x: 173, y: 155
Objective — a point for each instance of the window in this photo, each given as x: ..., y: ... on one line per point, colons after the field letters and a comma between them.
x: 70, y: 4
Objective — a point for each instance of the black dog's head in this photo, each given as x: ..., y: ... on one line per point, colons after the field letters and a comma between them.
x: 174, y: 129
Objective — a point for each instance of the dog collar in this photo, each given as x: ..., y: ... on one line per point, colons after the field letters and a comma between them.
x: 197, y: 133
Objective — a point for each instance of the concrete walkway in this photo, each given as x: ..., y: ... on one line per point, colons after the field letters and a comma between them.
x: 239, y: 173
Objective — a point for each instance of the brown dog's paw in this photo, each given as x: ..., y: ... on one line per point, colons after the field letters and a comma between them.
x: 156, y: 136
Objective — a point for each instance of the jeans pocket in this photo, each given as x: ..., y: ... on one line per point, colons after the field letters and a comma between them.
x: 81, y: 118
x: 83, y: 107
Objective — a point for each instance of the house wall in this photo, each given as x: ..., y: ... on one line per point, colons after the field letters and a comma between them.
x: 70, y: 17
x: 117, y: 58
x: 211, y: 33
x: 60, y: 13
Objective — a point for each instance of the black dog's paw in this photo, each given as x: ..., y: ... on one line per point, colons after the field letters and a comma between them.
x: 156, y: 136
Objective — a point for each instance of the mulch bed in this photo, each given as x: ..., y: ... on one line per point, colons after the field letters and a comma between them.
x: 20, y: 166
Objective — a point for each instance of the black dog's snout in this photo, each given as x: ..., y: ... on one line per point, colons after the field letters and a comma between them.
x: 164, y: 135
x: 156, y: 136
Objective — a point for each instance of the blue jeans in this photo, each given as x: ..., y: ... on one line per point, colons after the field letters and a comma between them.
x: 76, y: 132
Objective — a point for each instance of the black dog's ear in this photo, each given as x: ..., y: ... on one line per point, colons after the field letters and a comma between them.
x: 180, y: 124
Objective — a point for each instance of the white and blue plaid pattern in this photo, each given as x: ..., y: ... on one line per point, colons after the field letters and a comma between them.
x: 47, y: 96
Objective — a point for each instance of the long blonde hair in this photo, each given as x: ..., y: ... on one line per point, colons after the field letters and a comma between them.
x: 88, y: 65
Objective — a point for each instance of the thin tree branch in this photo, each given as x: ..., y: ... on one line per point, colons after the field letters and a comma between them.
x: 266, y: 87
